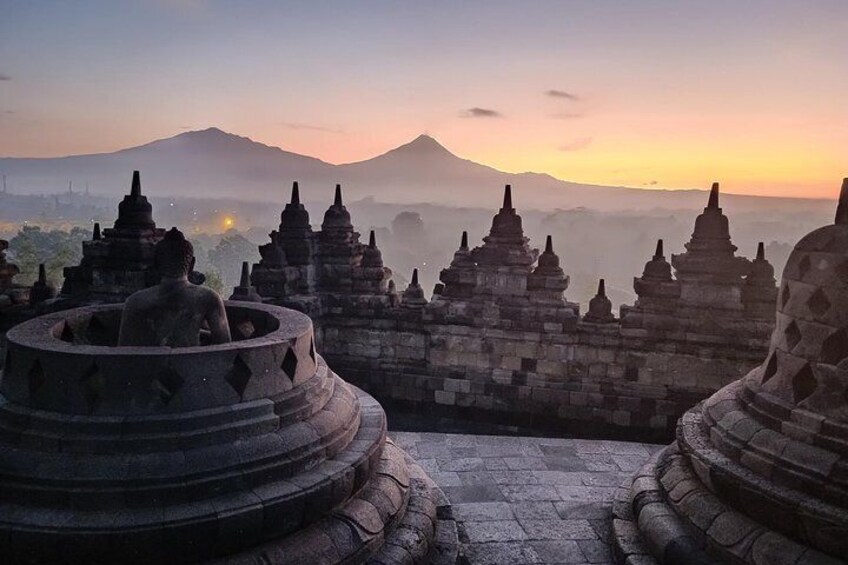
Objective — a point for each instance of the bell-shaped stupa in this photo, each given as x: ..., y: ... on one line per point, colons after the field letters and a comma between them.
x: 759, y: 471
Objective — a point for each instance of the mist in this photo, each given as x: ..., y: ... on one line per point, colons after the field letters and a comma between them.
x: 591, y: 243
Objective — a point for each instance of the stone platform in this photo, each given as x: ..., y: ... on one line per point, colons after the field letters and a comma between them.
x: 523, y: 500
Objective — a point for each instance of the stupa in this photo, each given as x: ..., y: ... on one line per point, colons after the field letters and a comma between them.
x: 252, y: 451
x: 758, y: 471
x: 245, y: 292
x: 600, y: 307
x: 42, y: 289
x: 709, y: 271
x: 714, y: 292
x: 459, y: 278
x: 119, y: 261
x: 413, y: 296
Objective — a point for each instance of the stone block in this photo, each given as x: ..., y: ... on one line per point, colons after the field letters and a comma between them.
x: 445, y: 397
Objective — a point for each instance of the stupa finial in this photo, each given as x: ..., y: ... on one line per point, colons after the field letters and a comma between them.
x: 464, y: 243
x: 42, y: 274
x: 842, y: 208
x: 372, y: 240
x: 414, y: 278
x: 507, y: 201
x: 96, y: 233
x: 295, y: 197
x: 713, y: 202
x: 549, y: 245
x: 337, y: 201
x: 136, y: 184
x: 602, y: 288
x: 761, y: 251
x: 658, y: 254
x: 245, y: 274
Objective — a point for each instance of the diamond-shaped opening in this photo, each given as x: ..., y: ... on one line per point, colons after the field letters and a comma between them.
x: 166, y: 384
x: 804, y: 266
x: 818, y: 303
x: 803, y: 383
x: 239, y: 376
x: 97, y: 332
x: 36, y: 377
x: 835, y: 347
x: 785, y: 295
x: 771, y: 367
x: 67, y: 333
x: 289, y: 364
x: 793, y: 335
x: 93, y: 384
x: 244, y: 330
x: 312, y: 349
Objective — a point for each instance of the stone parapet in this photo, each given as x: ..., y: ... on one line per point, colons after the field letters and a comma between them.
x: 500, y: 321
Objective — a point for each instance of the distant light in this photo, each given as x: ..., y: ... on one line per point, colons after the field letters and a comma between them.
x: 228, y: 222
x: 172, y: 204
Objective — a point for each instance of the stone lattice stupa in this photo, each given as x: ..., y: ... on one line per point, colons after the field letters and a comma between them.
x: 249, y: 452
x: 759, y: 471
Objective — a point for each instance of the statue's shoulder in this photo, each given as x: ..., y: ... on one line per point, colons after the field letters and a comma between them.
x: 207, y: 294
x: 141, y: 298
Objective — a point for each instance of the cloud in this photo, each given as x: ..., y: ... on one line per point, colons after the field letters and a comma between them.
x: 480, y: 113
x: 311, y: 127
x: 652, y: 183
x: 4, y: 77
x: 553, y: 93
x: 567, y: 115
x: 576, y: 145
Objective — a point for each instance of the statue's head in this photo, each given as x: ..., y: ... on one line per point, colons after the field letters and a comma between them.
x: 174, y: 255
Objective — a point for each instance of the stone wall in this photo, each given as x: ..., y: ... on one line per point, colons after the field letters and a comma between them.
x: 601, y: 379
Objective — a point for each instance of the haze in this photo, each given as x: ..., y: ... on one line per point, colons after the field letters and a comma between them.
x: 640, y: 94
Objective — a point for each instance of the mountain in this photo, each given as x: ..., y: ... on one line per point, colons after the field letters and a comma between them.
x: 215, y: 164
x: 207, y: 163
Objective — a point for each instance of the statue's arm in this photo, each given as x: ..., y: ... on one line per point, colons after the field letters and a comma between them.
x: 217, y: 320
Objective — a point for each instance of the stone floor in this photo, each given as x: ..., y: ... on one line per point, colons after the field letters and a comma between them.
x: 528, y: 500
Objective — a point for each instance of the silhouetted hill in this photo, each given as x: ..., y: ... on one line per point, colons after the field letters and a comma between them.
x: 214, y: 164
x: 422, y: 167
x: 207, y: 163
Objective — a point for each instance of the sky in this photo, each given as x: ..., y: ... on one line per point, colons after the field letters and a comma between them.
x: 651, y: 94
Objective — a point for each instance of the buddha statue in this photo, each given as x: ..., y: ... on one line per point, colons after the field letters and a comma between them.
x: 174, y: 312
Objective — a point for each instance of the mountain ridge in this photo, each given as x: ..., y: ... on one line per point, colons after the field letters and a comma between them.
x: 214, y: 163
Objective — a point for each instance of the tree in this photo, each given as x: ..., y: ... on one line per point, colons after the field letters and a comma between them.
x: 227, y: 256
x: 213, y: 281
x: 56, y: 249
